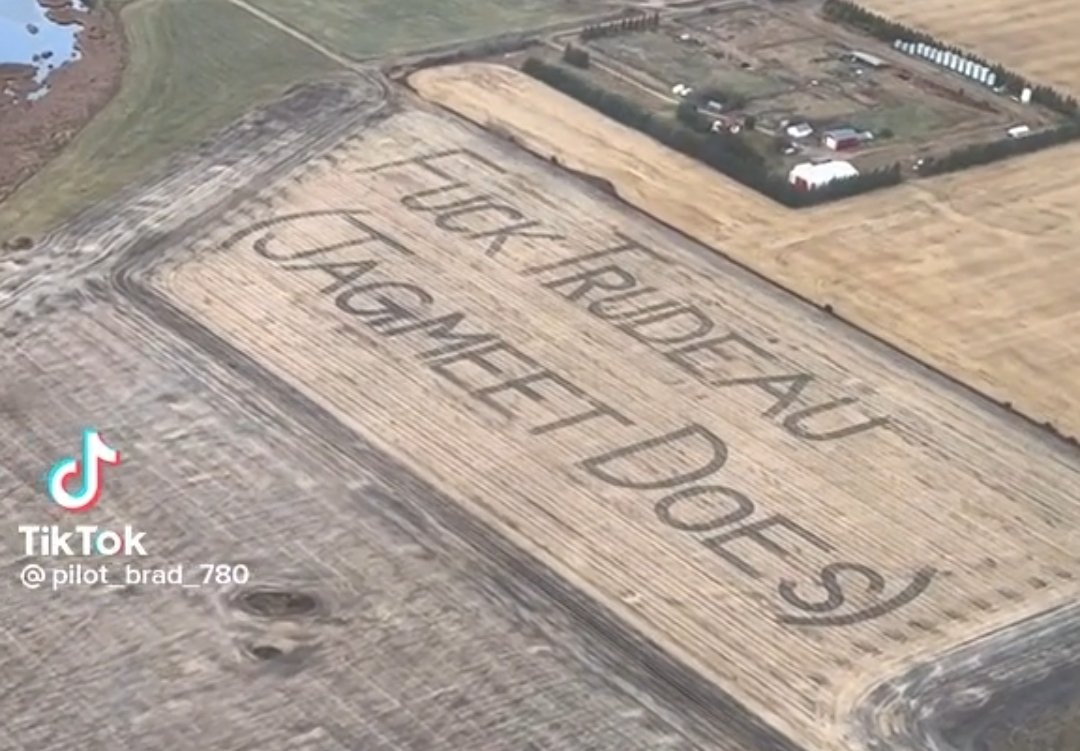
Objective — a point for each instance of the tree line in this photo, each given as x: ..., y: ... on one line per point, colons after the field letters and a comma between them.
x: 576, y: 56
x: 984, y: 153
x: 885, y: 29
x: 725, y: 152
x: 643, y: 22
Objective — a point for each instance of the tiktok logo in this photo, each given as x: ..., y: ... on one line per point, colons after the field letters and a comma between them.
x: 95, y: 452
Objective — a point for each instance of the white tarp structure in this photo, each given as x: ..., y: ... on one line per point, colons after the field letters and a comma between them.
x: 811, y: 176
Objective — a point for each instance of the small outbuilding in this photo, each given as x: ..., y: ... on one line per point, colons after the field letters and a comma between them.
x: 841, y: 139
x: 810, y: 176
x: 800, y: 130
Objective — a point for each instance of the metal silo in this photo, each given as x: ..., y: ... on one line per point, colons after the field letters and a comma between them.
x: 991, y: 79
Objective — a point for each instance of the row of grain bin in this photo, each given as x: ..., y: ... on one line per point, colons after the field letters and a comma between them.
x: 950, y: 60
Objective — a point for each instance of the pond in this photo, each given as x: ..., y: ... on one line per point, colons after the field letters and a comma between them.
x: 29, y: 37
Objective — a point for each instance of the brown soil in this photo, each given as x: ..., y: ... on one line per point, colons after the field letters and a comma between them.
x: 32, y: 132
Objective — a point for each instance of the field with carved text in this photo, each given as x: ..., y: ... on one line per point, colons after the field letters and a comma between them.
x: 534, y: 435
x: 975, y: 273
x: 375, y: 615
x: 723, y: 468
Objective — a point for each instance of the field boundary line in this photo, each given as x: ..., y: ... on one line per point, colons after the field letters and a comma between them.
x: 298, y: 35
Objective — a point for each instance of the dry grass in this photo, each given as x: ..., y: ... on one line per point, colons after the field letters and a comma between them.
x: 945, y: 486
x: 975, y: 273
x: 1035, y: 38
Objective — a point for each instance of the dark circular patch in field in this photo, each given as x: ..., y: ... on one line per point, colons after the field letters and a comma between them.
x: 266, y: 652
x: 277, y: 603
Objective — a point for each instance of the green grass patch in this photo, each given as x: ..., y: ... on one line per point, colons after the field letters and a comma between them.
x: 195, y: 66
x: 908, y: 120
x: 672, y: 61
x: 364, y: 28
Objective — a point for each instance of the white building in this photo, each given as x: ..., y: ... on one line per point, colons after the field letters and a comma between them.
x: 800, y: 130
x: 810, y: 176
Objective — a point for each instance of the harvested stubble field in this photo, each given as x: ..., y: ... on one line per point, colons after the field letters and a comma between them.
x: 974, y: 273
x: 1036, y: 39
x: 414, y: 642
x: 790, y: 509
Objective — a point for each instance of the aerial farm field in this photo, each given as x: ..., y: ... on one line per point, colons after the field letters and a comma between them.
x: 788, y: 68
x: 534, y: 451
x: 364, y: 29
x: 1033, y: 38
x: 974, y: 272
x: 172, y: 97
x: 694, y: 450
x: 375, y: 616
x: 196, y: 65
x: 364, y: 626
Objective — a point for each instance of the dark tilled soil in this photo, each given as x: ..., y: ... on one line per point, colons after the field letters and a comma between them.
x: 1041, y: 717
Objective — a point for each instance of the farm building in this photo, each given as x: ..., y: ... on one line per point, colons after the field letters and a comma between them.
x: 866, y: 59
x: 841, y: 138
x: 800, y: 130
x: 809, y: 175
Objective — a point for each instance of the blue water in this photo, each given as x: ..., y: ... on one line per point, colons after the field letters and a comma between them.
x: 18, y: 45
